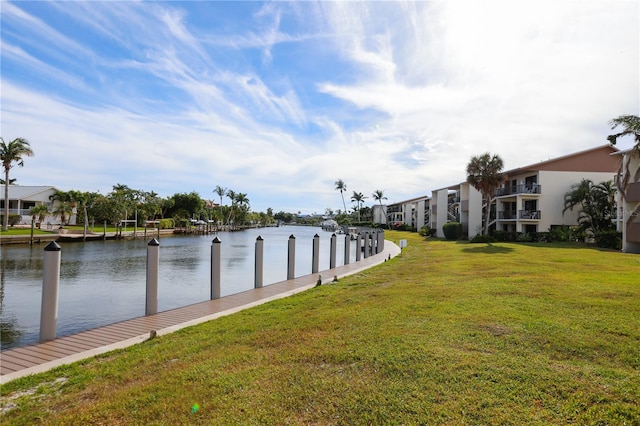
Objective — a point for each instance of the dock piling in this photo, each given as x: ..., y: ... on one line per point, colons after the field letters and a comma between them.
x: 153, y: 265
x: 259, y: 262
x: 50, y: 287
x: 215, y: 268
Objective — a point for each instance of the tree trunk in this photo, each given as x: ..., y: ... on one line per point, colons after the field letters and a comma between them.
x: 487, y: 215
x: 5, y: 220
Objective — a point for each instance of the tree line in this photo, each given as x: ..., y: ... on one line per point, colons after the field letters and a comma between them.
x: 125, y: 203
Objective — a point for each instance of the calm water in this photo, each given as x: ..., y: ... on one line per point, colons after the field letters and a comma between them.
x: 102, y: 282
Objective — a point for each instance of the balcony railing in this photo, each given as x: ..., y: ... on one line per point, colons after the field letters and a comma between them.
x: 507, y: 215
x: 23, y: 212
x: 530, y: 214
x: 529, y: 188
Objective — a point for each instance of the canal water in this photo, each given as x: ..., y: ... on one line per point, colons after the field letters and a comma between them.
x: 103, y: 282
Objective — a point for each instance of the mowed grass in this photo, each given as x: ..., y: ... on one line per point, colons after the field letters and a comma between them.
x: 23, y: 231
x: 446, y: 333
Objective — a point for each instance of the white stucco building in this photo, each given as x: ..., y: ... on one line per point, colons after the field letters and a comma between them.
x: 414, y: 212
x: 530, y: 200
x: 22, y: 198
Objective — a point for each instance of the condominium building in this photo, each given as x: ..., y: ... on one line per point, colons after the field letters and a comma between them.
x: 531, y: 198
x: 414, y: 212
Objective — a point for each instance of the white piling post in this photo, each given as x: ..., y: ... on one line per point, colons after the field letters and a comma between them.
x: 215, y: 268
x: 50, y: 287
x: 333, y: 250
x: 291, y: 258
x: 315, y: 259
x: 366, y: 244
x: 372, y: 246
x: 358, y: 247
x: 259, y: 263
x: 347, y: 248
x: 153, y: 265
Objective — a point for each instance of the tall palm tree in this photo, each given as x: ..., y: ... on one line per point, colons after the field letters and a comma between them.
x: 631, y: 126
x: 221, y: 192
x: 10, y: 153
x: 242, y: 202
x: 484, y: 173
x: 232, y: 195
x: 378, y: 195
x: 85, y: 200
x: 358, y: 197
x: 342, y: 187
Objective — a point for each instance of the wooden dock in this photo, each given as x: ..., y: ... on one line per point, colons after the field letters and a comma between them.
x: 37, y: 358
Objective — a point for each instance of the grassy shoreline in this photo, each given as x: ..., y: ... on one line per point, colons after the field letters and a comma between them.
x: 446, y: 333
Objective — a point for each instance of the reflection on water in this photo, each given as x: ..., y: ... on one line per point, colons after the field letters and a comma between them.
x: 102, y: 282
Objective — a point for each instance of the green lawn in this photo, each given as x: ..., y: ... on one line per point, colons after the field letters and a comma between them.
x: 446, y: 333
x: 36, y: 231
x: 23, y: 231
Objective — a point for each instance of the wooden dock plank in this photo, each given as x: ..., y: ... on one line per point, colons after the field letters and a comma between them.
x: 33, y: 352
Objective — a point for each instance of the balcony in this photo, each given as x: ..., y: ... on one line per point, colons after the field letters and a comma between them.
x: 530, y: 214
x: 533, y: 188
x: 507, y: 215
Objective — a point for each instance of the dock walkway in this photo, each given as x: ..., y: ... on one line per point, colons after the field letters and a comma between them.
x: 37, y: 358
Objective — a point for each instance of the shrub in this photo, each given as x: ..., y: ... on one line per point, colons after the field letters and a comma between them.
x: 166, y: 223
x: 564, y: 233
x: 401, y: 227
x: 425, y: 231
x: 525, y: 237
x: 452, y: 230
x: 609, y: 239
x: 14, y: 219
x: 504, y: 236
x: 482, y: 239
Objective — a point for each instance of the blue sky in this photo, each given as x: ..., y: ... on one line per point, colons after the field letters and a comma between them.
x: 279, y: 100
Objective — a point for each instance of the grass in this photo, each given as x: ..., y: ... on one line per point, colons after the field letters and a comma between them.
x: 36, y: 231
x: 23, y: 231
x: 446, y: 333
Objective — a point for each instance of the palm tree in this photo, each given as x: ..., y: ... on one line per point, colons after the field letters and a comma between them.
x: 242, y: 200
x: 86, y: 201
x: 631, y: 126
x: 378, y: 195
x: 597, y: 204
x: 342, y: 187
x: 231, y: 194
x: 484, y: 173
x: 358, y: 197
x: 40, y: 211
x: 243, y: 205
x: 221, y: 192
x: 63, y: 210
x: 10, y: 153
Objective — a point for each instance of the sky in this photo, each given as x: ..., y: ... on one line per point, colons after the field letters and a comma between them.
x: 279, y: 100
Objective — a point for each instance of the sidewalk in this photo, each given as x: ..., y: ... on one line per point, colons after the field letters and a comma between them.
x: 37, y: 358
